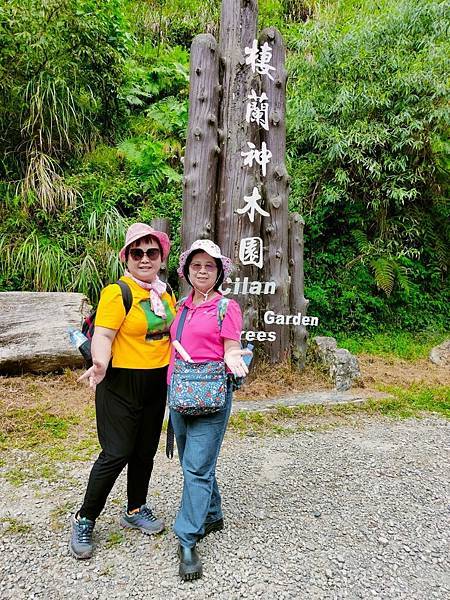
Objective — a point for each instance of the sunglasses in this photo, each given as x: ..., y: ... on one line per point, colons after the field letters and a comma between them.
x: 138, y: 253
x: 209, y: 267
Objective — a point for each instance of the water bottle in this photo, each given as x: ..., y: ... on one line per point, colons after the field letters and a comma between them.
x: 80, y: 341
x: 247, y: 358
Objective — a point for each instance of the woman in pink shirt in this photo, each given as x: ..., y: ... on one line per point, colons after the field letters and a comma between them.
x: 199, y: 438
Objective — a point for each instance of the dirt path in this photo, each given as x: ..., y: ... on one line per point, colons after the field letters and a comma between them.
x: 352, y: 513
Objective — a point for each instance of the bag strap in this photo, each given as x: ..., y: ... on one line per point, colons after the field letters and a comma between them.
x: 221, y: 312
x: 180, y: 326
x: 127, y: 296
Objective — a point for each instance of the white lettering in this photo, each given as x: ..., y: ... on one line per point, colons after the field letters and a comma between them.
x: 255, y: 288
x: 260, y: 336
x: 236, y: 286
x: 270, y: 317
x: 245, y: 287
x: 297, y: 319
x: 227, y: 290
x: 270, y: 287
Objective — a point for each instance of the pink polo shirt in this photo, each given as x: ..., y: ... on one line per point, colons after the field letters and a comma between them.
x: 201, y: 337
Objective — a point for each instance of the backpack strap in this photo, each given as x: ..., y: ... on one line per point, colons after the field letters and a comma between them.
x: 127, y: 296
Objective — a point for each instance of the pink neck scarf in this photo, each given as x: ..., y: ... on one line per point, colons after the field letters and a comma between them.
x: 157, y: 289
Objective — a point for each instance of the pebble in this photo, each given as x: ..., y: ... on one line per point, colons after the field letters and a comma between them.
x: 305, y: 518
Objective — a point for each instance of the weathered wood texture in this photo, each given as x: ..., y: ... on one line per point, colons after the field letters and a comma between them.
x: 33, y: 330
x: 276, y: 192
x: 237, y: 31
x: 162, y: 224
x: 202, y: 150
x: 298, y: 301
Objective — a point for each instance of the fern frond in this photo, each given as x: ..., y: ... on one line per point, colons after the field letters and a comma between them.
x: 384, y: 274
x: 361, y: 240
x: 401, y: 274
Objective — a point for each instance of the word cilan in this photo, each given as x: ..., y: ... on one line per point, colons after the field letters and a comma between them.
x: 247, y: 287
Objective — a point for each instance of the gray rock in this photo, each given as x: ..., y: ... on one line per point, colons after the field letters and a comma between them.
x: 440, y: 355
x: 344, y: 369
x: 343, y: 366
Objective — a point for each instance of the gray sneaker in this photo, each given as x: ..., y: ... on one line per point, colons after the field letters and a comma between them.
x: 80, y: 544
x: 144, y: 520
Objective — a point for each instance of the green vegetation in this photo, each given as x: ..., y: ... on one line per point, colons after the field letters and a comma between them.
x: 415, y: 401
x: 14, y: 526
x: 367, y: 147
x: 59, y: 515
x: 47, y: 455
x: 93, y: 115
x: 25, y: 428
x: 114, y: 539
x: 404, y: 345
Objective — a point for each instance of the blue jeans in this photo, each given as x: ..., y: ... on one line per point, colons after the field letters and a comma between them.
x: 198, y: 441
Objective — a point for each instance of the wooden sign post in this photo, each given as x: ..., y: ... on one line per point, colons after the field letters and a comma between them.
x: 236, y: 184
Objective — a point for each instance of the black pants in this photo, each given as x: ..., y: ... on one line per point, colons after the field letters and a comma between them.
x: 130, y: 407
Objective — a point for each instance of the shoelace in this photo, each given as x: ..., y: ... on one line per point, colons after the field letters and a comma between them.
x: 84, y: 531
x: 146, y: 512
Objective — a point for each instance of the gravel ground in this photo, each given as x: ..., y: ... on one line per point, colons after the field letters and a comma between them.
x: 346, y: 513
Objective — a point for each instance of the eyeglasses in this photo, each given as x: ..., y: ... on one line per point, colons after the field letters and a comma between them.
x: 195, y: 266
x: 138, y: 253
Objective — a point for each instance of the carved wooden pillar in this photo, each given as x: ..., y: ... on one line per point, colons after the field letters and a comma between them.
x: 237, y: 31
x: 202, y: 150
x: 299, y: 303
x: 276, y: 192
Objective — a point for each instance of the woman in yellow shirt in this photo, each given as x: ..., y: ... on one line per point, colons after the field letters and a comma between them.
x: 130, y: 355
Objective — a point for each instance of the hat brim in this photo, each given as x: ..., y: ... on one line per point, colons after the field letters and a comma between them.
x: 162, y: 238
x: 226, y: 262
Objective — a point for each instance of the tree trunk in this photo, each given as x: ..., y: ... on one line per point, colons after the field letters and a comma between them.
x: 276, y: 191
x: 201, y: 155
x: 33, y: 330
x: 237, y: 31
x: 299, y: 304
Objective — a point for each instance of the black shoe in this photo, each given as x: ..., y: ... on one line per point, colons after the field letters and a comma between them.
x: 211, y: 527
x: 190, y: 563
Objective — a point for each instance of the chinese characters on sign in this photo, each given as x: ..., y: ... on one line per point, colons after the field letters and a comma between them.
x: 262, y: 157
x: 252, y: 206
x: 259, y: 58
x: 257, y: 111
x: 251, y: 248
x: 251, y: 251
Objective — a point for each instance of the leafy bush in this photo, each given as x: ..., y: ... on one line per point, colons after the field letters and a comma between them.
x: 59, y: 77
x: 367, y: 128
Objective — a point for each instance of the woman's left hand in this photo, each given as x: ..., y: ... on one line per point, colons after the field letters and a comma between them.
x: 233, y: 360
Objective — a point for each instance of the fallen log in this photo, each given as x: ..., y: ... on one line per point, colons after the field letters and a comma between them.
x: 33, y: 330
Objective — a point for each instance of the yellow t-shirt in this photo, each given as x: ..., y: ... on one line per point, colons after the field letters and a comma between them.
x: 142, y: 340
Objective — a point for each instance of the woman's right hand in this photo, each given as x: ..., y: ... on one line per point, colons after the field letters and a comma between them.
x: 94, y: 374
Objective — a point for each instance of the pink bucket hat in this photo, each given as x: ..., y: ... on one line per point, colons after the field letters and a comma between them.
x: 210, y: 248
x: 139, y: 230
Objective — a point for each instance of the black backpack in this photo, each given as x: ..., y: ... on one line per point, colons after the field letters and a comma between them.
x: 89, y: 322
